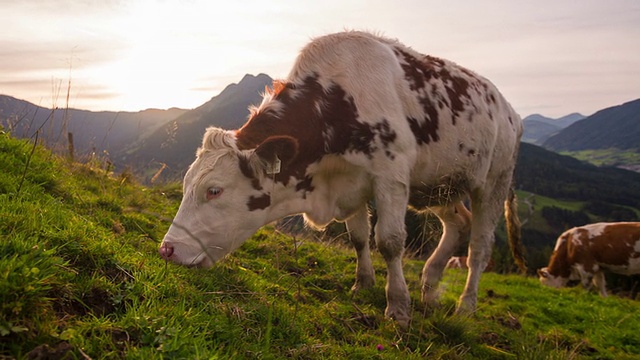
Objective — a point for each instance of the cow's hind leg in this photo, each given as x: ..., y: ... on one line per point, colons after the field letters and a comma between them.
x: 486, y: 207
x: 456, y: 223
x: 359, y: 230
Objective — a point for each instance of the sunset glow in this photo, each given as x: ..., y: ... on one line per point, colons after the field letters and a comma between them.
x: 547, y: 57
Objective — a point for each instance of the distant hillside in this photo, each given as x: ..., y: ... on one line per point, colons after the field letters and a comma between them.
x: 557, y: 176
x: 538, y: 128
x: 99, y: 131
x: 614, y: 127
x: 175, y: 143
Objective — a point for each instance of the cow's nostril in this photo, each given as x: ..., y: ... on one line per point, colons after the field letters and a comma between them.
x: 166, y: 250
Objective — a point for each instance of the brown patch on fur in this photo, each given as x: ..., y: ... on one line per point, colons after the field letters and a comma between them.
x: 420, y: 74
x: 335, y: 130
x: 559, y: 261
x: 259, y: 203
x: 277, y: 87
x: 245, y: 168
x: 623, y: 237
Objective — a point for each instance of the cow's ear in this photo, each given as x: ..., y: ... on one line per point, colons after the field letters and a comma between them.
x: 277, y: 152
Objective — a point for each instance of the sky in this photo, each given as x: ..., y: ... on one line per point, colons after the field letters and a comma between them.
x: 549, y: 57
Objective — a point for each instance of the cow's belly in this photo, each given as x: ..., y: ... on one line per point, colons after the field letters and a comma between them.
x: 443, y: 181
x: 444, y: 191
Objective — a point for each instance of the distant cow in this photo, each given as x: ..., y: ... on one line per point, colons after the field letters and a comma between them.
x: 584, y: 252
x: 359, y: 118
x: 460, y: 262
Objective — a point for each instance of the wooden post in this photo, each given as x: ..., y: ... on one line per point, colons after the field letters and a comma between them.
x: 71, y: 149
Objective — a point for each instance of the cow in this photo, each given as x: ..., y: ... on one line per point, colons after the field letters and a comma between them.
x: 460, y: 262
x: 360, y: 119
x: 584, y: 253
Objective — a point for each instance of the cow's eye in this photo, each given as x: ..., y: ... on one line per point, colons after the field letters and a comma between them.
x: 213, y: 192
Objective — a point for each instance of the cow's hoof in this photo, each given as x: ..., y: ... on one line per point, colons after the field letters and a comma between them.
x: 430, y: 297
x: 466, y: 308
x: 401, y: 317
x: 363, y: 283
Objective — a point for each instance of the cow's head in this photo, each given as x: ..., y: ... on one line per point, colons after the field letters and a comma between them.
x: 548, y: 279
x: 225, y: 199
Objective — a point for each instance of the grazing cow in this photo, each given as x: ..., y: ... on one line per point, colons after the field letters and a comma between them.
x: 584, y: 252
x: 359, y: 118
x: 460, y: 262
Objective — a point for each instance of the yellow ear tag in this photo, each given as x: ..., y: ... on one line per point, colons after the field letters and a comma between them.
x: 275, y: 167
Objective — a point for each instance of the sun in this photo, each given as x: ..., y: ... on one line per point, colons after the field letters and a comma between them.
x: 164, y: 59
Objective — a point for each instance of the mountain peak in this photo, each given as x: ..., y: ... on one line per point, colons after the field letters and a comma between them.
x: 613, y: 127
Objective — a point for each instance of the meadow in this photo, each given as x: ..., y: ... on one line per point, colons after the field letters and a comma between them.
x: 80, y: 278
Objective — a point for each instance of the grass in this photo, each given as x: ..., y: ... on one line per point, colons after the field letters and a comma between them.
x: 530, y: 206
x: 80, y: 277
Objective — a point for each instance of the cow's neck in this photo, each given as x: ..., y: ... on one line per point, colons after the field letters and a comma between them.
x: 321, y: 119
x: 560, y: 262
x: 335, y: 190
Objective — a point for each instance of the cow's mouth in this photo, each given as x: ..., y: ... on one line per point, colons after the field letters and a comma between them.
x: 202, y: 260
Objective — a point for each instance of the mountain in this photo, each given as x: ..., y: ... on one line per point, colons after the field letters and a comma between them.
x: 174, y: 143
x: 538, y: 128
x: 615, y: 127
x: 92, y: 131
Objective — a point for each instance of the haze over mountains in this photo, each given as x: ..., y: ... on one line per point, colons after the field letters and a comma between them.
x: 93, y: 131
x: 614, y: 127
x: 538, y: 128
x: 175, y: 142
x: 147, y: 139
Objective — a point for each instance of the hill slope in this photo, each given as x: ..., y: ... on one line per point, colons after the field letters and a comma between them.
x: 81, y: 278
x: 614, y: 127
x: 558, y: 176
x: 175, y: 143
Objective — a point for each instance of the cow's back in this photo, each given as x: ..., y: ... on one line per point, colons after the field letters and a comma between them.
x: 453, y: 125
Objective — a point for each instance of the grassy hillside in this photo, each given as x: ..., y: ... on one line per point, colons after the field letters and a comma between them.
x: 608, y: 157
x: 80, y: 277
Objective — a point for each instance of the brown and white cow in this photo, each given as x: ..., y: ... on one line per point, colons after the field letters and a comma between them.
x: 359, y: 118
x: 585, y: 252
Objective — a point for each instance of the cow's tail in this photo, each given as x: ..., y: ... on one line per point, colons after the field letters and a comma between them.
x: 513, y: 230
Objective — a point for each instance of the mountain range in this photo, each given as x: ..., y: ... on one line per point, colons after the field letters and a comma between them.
x: 538, y: 128
x: 174, y: 143
x: 613, y: 127
x: 104, y: 131
x: 148, y: 140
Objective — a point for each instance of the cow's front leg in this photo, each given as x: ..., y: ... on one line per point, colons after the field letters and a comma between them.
x: 359, y: 231
x: 600, y: 282
x: 391, y: 202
